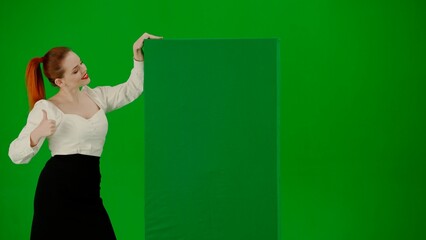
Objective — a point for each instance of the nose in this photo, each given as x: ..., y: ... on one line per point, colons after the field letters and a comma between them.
x: 83, y: 68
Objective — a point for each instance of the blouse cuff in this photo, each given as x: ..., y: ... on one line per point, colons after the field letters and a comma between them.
x: 25, y: 153
x: 138, y: 64
x: 38, y: 146
x: 28, y: 149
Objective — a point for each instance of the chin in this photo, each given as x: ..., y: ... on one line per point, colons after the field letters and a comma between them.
x: 86, y: 82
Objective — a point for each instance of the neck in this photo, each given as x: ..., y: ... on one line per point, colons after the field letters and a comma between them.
x: 70, y: 95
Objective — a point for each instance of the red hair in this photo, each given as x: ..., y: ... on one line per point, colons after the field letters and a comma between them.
x: 52, y: 68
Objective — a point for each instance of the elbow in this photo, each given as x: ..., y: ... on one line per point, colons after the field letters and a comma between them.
x: 18, y: 157
x: 141, y: 91
x: 18, y: 160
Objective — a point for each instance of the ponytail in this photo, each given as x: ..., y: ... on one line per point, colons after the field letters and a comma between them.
x: 52, y: 69
x: 34, y: 81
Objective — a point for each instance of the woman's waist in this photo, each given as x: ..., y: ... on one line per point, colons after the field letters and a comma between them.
x: 92, y: 150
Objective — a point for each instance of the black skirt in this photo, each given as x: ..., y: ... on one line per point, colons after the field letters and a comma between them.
x: 67, y: 202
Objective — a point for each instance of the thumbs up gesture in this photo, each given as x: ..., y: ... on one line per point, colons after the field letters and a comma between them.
x: 46, y: 128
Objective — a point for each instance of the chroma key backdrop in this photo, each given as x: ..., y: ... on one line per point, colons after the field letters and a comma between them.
x: 351, y: 106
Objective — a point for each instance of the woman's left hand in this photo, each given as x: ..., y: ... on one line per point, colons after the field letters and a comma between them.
x: 138, y: 45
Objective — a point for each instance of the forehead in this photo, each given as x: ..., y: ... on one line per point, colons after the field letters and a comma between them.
x: 70, y: 61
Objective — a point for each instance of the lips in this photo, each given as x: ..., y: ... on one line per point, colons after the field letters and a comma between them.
x: 85, y: 76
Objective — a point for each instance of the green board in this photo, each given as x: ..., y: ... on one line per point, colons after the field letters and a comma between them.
x: 211, y: 139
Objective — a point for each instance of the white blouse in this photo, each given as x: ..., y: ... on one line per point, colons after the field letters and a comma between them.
x: 74, y: 133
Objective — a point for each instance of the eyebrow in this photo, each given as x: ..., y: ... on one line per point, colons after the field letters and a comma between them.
x: 77, y: 65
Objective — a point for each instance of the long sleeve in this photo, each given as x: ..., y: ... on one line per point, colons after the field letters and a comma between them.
x: 20, y: 150
x: 111, y: 98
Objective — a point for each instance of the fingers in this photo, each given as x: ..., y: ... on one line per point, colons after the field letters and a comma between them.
x: 47, y: 126
x: 45, y: 118
x: 149, y: 36
x: 52, y: 127
x: 153, y: 37
x: 138, y: 45
x: 51, y: 122
x: 44, y: 114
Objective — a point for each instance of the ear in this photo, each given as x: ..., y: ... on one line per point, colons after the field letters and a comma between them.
x: 59, y: 82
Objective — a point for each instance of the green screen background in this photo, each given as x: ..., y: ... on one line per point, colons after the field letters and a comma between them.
x: 352, y: 103
x: 211, y: 139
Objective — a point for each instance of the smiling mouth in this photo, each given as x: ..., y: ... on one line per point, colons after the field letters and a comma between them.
x: 85, y: 77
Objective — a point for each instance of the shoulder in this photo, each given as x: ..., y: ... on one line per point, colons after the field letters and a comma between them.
x: 96, y: 94
x: 40, y: 105
x: 52, y: 111
x: 46, y: 105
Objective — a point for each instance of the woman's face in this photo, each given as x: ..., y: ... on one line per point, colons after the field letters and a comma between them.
x: 75, y: 74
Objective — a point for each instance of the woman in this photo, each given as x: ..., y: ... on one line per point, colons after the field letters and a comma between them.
x: 67, y: 202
